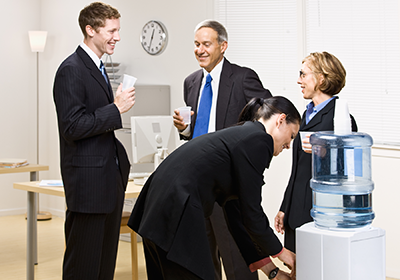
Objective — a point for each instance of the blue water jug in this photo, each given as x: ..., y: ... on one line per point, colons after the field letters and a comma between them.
x: 341, y: 180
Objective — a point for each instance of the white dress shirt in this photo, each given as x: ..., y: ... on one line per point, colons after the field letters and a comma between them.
x: 91, y: 53
x: 215, y: 75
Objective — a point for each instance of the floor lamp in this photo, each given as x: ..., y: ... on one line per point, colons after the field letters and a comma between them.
x: 37, y: 41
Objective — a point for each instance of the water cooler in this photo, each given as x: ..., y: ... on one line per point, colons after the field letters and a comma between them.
x: 341, y: 243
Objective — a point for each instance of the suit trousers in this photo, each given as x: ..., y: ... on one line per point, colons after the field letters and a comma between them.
x: 290, y: 239
x: 223, y: 245
x: 159, y: 267
x: 92, y: 242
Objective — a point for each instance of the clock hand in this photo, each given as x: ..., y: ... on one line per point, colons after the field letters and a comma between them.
x: 151, y: 40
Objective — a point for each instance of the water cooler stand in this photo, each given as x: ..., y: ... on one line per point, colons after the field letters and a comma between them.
x: 323, y: 254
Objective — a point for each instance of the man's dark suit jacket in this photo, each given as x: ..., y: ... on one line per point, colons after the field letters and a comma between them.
x: 87, y: 119
x: 222, y: 167
x: 237, y: 86
x: 297, y: 201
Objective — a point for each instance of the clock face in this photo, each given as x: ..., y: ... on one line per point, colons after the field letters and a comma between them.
x: 154, y: 37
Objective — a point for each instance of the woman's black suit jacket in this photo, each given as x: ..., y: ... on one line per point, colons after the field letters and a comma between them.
x: 297, y: 201
x: 216, y: 167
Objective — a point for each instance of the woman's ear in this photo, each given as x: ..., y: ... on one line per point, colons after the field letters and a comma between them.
x: 321, y: 79
x: 280, y: 119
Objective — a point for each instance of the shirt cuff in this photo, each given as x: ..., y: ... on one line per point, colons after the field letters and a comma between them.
x: 275, y: 256
x: 186, y: 131
x: 258, y: 264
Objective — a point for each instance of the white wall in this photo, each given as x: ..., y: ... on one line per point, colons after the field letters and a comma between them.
x: 59, y: 18
x: 385, y: 168
x: 18, y: 97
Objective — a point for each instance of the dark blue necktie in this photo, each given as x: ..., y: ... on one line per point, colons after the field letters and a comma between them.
x: 203, y: 112
x: 104, y: 73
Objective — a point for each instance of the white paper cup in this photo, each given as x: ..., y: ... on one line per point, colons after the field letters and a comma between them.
x: 185, y: 113
x: 129, y: 81
x: 305, y: 139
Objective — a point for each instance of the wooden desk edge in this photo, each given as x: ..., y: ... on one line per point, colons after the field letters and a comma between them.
x: 132, y: 190
x: 34, y: 187
x: 26, y: 168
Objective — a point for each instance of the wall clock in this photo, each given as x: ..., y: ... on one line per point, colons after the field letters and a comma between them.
x: 154, y: 37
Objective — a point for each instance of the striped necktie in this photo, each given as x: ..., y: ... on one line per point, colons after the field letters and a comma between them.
x: 103, y: 71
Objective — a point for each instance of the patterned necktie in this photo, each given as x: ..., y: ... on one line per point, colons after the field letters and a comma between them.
x: 103, y: 71
x: 203, y: 113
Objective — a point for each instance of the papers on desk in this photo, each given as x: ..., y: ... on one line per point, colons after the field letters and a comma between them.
x: 12, y: 162
x: 51, y: 183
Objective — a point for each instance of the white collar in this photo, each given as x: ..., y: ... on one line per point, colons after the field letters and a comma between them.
x: 216, y: 72
x: 91, y: 53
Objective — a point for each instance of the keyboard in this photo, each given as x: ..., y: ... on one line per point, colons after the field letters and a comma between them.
x: 140, y: 181
x: 136, y: 175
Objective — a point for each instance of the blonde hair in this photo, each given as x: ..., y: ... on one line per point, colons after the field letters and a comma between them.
x: 331, y: 69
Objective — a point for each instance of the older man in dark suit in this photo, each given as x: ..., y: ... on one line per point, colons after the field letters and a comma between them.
x: 94, y: 164
x: 217, y: 94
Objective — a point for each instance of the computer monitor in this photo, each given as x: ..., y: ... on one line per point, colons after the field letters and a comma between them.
x: 153, y: 138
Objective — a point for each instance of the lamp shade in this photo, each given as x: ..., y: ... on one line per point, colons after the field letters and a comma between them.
x: 37, y: 40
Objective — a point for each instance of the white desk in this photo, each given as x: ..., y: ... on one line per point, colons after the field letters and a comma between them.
x: 33, y: 188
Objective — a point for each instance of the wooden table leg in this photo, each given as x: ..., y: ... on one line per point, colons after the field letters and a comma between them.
x: 134, y: 256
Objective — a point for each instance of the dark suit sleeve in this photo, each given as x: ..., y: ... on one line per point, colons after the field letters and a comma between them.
x: 250, y: 158
x: 250, y: 251
x: 188, y: 103
x: 288, y: 191
x: 354, y: 127
x: 191, y: 89
x: 76, y: 120
x: 252, y: 86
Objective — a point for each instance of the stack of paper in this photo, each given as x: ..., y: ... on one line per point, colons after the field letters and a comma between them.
x: 51, y: 183
x: 12, y: 162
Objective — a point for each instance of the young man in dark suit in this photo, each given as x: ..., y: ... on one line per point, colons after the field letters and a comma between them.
x: 232, y: 87
x: 94, y: 164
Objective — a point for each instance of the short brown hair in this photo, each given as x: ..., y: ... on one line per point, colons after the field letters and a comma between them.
x: 332, y: 70
x: 96, y: 15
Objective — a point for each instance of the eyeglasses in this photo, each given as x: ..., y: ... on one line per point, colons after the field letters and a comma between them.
x: 302, y: 74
